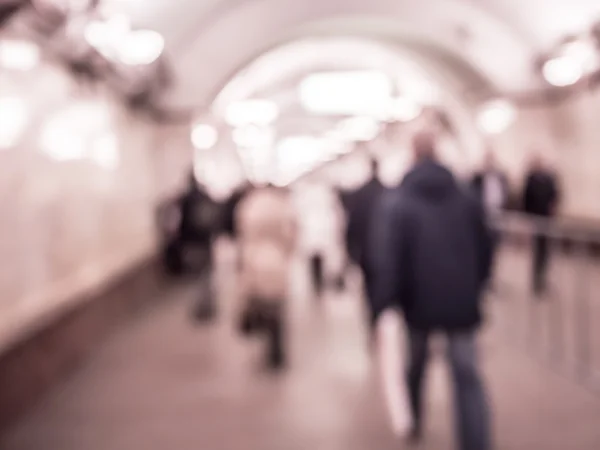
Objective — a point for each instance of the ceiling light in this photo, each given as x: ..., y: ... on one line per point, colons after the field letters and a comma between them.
x: 104, y: 151
x: 110, y: 36
x: 583, y: 51
x: 66, y: 135
x: 562, y: 71
x: 13, y: 121
x: 251, y: 112
x: 141, y: 47
x: 346, y: 93
x: 358, y: 129
x: 496, y: 116
x: 252, y: 136
x: 19, y: 55
x: 204, y: 136
x: 404, y: 109
x: 300, y: 151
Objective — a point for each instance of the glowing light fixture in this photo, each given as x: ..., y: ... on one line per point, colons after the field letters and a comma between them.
x: 346, y: 93
x: 300, y: 151
x: 404, y: 109
x: 562, y: 71
x: 104, y: 151
x: 19, y: 55
x: 107, y: 37
x: 496, y: 116
x: 582, y: 51
x: 13, y: 121
x: 251, y: 112
x: 66, y: 135
x: 356, y: 129
x: 204, y: 136
x: 140, y: 47
x: 252, y: 136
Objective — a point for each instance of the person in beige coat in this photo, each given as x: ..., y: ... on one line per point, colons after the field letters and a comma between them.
x: 267, y: 238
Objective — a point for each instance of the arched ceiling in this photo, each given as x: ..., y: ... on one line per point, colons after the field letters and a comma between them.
x: 211, y: 40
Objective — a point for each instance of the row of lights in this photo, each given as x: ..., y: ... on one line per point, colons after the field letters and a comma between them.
x: 367, y: 101
x: 93, y: 140
x: 252, y: 119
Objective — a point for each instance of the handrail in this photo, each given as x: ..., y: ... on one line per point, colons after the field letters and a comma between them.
x: 557, y: 228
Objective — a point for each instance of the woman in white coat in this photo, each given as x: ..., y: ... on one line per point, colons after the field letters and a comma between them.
x: 267, y: 238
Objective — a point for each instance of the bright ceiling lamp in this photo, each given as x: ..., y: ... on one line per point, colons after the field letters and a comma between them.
x: 19, y: 55
x: 404, y: 109
x: 300, y: 151
x: 204, y: 136
x: 562, y: 71
x: 107, y: 37
x: 67, y: 134
x: 496, y: 116
x: 13, y: 121
x: 140, y: 47
x: 252, y: 136
x: 358, y: 129
x: 104, y: 151
x: 346, y: 93
x: 584, y: 51
x: 251, y: 112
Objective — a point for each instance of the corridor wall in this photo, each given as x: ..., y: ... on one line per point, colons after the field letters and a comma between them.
x: 77, y: 197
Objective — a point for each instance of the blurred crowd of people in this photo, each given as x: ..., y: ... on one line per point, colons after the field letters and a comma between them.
x: 425, y: 248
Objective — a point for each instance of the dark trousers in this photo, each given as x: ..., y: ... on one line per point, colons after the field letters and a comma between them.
x: 472, y: 413
x: 317, y: 272
x: 263, y: 317
x: 541, y: 255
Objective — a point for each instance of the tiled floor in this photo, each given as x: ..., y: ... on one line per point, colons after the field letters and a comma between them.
x: 163, y: 384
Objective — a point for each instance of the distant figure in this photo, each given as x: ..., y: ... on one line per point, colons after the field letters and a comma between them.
x: 491, y: 185
x: 267, y: 235
x: 492, y: 188
x: 199, y: 225
x: 321, y: 220
x: 360, y: 206
x: 430, y: 256
x: 540, y: 198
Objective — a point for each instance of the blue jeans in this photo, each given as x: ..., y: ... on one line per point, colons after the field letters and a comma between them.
x: 471, y: 405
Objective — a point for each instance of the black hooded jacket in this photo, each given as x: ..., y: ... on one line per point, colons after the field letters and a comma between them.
x: 430, y: 251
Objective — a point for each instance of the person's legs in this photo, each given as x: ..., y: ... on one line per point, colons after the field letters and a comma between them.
x: 274, y: 328
x: 473, y: 416
x: 418, y: 348
x: 316, y: 268
x: 540, y: 263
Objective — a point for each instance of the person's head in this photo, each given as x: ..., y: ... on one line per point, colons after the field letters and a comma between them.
x: 374, y: 167
x: 537, y: 161
x: 192, y: 181
x: 424, y: 146
x: 489, y: 159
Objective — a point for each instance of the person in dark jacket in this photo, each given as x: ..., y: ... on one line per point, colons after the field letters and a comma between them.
x: 199, y: 226
x: 540, y: 198
x: 360, y: 207
x: 430, y: 257
x: 491, y: 187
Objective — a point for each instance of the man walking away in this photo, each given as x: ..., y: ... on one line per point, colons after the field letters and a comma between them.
x: 430, y: 257
x: 540, y: 198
